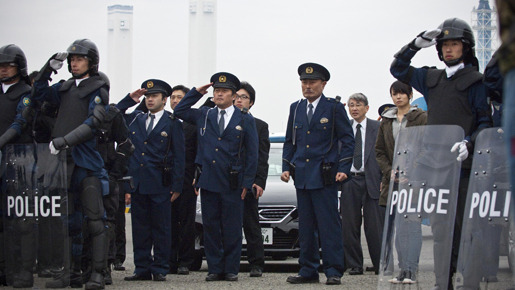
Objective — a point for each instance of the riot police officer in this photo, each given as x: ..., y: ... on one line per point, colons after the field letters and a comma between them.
x: 454, y: 96
x: 14, y: 99
x: 82, y: 100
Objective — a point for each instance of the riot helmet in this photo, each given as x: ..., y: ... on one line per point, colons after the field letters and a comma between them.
x: 457, y: 29
x: 88, y: 49
x: 11, y: 53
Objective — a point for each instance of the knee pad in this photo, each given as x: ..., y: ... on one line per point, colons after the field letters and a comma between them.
x: 91, y: 198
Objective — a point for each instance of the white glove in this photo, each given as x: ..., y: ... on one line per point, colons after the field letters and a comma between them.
x: 427, y: 38
x: 463, y: 152
x: 56, y: 62
x: 53, y: 151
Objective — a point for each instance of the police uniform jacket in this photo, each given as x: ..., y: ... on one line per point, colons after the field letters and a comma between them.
x: 13, y: 102
x: 147, y: 162
x: 219, y: 153
x: 307, y: 145
x: 76, y: 105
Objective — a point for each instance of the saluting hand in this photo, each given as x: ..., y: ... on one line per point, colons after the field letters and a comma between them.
x: 285, y: 176
x: 175, y: 195
x: 340, y: 176
x: 136, y: 95
x: 203, y: 89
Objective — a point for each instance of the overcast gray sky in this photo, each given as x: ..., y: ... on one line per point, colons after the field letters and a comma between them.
x: 262, y: 42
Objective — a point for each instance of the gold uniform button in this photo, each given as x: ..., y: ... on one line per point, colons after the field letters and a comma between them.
x: 145, y: 142
x: 216, y: 149
x: 307, y: 146
x: 142, y: 154
x: 141, y: 165
x: 214, y: 162
x: 307, y: 160
x: 324, y: 128
x: 309, y: 132
x: 133, y: 133
x: 219, y: 138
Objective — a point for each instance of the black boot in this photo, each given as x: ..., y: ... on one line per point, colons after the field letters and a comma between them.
x: 96, y: 281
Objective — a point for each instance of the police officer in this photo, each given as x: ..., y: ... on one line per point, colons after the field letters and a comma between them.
x: 246, y: 97
x: 315, y: 126
x: 82, y: 100
x: 158, y: 170
x: 454, y: 96
x: 14, y: 100
x: 182, y: 252
x: 225, y: 132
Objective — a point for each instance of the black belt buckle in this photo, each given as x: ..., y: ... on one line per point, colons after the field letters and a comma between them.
x: 357, y: 173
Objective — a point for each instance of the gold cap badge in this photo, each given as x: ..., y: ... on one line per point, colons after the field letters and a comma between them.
x: 150, y: 84
x: 309, y: 70
x: 73, y: 48
x: 222, y: 79
x: 446, y: 32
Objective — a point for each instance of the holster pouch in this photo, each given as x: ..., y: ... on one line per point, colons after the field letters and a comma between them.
x: 234, y: 174
x: 327, y: 173
x: 167, y: 176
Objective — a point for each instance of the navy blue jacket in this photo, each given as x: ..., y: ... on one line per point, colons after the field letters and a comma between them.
x: 218, y: 153
x: 307, y: 145
x: 147, y: 162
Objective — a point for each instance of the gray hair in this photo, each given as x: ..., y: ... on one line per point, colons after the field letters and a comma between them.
x: 358, y: 97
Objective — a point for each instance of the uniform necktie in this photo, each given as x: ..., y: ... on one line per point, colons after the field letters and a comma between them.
x: 358, y: 145
x: 310, y: 113
x: 151, y: 124
x: 221, y: 123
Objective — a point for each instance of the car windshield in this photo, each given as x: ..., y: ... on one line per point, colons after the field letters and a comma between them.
x: 275, y: 165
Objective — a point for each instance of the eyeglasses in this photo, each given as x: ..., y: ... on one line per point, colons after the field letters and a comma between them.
x: 243, y: 97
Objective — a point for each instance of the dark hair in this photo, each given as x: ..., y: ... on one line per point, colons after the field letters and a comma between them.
x: 180, y: 88
x: 252, y: 93
x: 400, y: 87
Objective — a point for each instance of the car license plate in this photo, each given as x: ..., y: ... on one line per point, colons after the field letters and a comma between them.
x: 268, y: 236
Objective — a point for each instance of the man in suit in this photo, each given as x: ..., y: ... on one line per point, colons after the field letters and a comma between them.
x: 361, y: 192
x: 316, y: 126
x: 246, y: 97
x: 157, y: 167
x: 228, y: 153
x: 182, y: 252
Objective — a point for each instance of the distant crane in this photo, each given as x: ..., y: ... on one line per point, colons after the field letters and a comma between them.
x: 484, y: 23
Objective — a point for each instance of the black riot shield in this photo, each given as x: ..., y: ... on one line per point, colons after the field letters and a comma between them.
x: 34, y: 207
x: 419, y: 222
x: 486, y: 247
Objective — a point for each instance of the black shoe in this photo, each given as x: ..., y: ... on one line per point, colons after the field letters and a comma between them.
x: 213, y: 277
x: 333, y: 280
x: 139, y: 277
x: 370, y: 269
x: 96, y: 281
x: 183, y: 271
x: 256, y: 272
x: 231, y: 277
x: 3, y: 279
x: 159, y: 277
x: 65, y: 279
x: 45, y: 273
x: 108, y: 279
x: 301, y: 280
x: 356, y: 271
x: 118, y: 266
x: 23, y: 280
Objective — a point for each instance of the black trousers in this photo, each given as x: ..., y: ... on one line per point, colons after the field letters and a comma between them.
x: 119, y: 228
x: 252, y: 230
x: 182, y: 251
